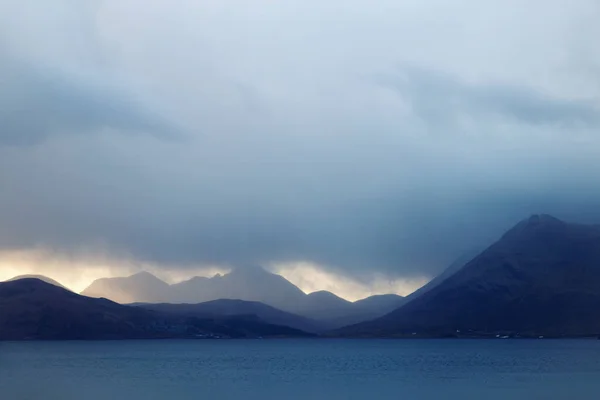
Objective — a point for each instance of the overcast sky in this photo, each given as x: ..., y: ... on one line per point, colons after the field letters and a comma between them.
x: 367, y: 140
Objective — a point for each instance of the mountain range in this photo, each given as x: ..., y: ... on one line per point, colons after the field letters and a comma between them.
x: 541, y: 278
x: 253, y: 284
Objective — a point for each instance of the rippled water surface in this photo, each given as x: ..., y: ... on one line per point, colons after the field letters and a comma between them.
x: 301, y: 369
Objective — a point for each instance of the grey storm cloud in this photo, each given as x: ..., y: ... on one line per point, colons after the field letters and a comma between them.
x: 39, y: 100
x: 437, y: 97
x: 362, y: 138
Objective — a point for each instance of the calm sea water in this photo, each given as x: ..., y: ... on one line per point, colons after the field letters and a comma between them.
x: 301, y: 369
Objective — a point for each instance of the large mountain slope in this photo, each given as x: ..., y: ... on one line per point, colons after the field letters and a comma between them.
x: 447, y: 273
x: 32, y: 309
x: 541, y: 278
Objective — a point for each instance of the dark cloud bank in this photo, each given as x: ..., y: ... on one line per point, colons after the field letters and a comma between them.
x: 399, y: 173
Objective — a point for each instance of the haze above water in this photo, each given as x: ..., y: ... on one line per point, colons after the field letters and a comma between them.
x: 301, y: 369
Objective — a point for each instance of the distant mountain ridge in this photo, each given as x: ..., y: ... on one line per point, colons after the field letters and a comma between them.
x: 140, y: 287
x: 542, y: 277
x: 248, y: 284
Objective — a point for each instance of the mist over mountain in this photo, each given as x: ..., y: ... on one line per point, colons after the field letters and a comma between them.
x: 336, y: 142
x: 356, y: 146
x: 542, y: 277
x: 250, y: 283
x: 141, y: 287
x: 253, y: 284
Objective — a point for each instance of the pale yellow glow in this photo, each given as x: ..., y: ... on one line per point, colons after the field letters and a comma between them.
x: 311, y: 277
x: 77, y: 274
x: 70, y: 273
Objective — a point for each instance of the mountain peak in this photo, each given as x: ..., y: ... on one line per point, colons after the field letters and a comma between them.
x: 537, y: 221
x: 27, y: 283
x: 534, y: 225
x: 323, y: 294
x: 543, y: 219
x: 42, y: 278
x: 144, y: 275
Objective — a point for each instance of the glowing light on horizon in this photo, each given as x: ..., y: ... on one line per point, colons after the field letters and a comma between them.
x: 311, y: 277
x: 73, y: 274
x: 77, y: 274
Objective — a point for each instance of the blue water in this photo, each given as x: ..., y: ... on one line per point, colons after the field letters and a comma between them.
x: 301, y: 369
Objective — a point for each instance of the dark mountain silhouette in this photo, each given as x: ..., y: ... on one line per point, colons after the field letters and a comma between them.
x: 40, y: 277
x: 541, y: 278
x: 228, y: 307
x: 447, y: 273
x: 249, y: 284
x: 32, y: 309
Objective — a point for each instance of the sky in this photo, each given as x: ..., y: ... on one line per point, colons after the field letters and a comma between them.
x: 354, y: 146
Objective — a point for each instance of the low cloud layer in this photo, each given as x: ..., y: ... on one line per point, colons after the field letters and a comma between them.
x: 366, y: 139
